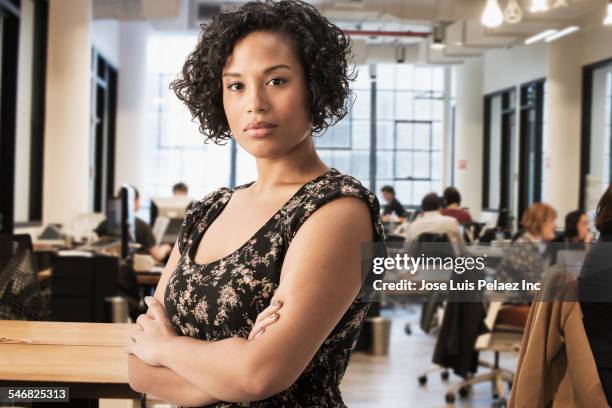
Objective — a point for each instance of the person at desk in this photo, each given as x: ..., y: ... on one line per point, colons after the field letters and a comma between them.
x: 180, y: 190
x: 576, y: 229
x: 432, y: 221
x: 268, y: 75
x: 452, y: 206
x: 393, y: 205
x: 526, y: 257
x: 595, y: 293
x: 144, y: 234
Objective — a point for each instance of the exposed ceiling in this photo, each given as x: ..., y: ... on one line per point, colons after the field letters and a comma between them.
x: 401, y: 23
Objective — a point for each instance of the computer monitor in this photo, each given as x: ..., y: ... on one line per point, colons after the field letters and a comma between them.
x: 173, y: 210
x: 169, y: 207
x: 113, y: 217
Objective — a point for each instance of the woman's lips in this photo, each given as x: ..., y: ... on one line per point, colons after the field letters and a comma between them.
x: 261, y: 132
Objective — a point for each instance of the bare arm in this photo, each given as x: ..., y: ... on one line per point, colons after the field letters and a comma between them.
x: 318, y: 283
x: 161, y: 381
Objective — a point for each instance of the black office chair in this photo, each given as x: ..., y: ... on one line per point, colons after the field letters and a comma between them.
x: 20, y: 294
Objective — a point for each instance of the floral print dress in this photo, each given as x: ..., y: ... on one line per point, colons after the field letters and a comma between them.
x: 222, y: 299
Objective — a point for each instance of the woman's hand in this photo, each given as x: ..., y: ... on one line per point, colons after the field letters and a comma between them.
x: 152, y: 332
x: 267, y: 317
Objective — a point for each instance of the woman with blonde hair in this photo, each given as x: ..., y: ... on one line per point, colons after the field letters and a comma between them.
x: 526, y: 258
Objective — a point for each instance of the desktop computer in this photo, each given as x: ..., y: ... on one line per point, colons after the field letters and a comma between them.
x: 167, y: 215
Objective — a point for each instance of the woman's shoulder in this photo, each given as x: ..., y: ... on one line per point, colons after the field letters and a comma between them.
x: 336, y: 185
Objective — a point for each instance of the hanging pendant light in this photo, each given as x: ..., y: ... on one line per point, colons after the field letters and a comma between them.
x: 608, y: 19
x: 560, y: 3
x: 537, y: 6
x: 492, y: 15
x: 513, y: 13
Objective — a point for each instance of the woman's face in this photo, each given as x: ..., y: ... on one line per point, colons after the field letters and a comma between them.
x: 583, y: 227
x: 264, y: 86
x: 548, y: 229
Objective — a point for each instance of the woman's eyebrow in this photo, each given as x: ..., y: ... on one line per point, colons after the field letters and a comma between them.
x: 266, y: 71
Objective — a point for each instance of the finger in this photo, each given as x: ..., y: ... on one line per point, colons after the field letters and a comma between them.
x: 263, y: 324
x: 274, y: 307
x: 143, y: 321
x: 255, y: 333
x: 155, y: 307
x: 259, y: 334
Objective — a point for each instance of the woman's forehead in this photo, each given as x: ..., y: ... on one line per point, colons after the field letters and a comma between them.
x: 260, y: 50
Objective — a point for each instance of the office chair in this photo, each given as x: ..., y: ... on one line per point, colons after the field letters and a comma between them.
x: 432, y: 312
x: 20, y: 294
x: 500, y: 338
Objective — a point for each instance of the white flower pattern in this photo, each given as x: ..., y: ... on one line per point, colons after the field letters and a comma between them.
x: 222, y: 299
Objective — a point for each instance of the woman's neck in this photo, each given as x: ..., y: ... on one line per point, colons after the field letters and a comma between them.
x: 298, y: 166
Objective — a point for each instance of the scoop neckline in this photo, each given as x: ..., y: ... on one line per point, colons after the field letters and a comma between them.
x: 191, y: 253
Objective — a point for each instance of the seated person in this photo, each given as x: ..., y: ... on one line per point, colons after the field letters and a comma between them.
x: 526, y: 258
x: 432, y: 221
x: 594, y: 293
x: 144, y: 235
x: 576, y: 228
x: 180, y: 190
x: 393, y: 205
x: 452, y: 204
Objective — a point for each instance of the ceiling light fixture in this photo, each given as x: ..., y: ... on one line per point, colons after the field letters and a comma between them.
x: 538, y: 6
x: 562, y: 33
x: 492, y: 15
x: 539, y: 36
x: 513, y: 13
x: 560, y: 3
x: 608, y: 19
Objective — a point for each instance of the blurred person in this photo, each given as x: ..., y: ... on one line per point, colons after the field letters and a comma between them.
x: 595, y: 293
x: 144, y: 234
x: 452, y: 206
x: 526, y: 258
x: 432, y: 221
x: 502, y: 229
x: 393, y: 205
x: 576, y: 228
x: 180, y: 190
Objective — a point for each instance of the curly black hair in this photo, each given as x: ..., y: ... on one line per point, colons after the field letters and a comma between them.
x: 322, y: 48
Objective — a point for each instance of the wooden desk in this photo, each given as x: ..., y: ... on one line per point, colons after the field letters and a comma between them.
x: 87, y: 357
x: 148, y: 278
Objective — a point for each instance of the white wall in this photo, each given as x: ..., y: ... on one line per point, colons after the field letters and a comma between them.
x: 105, y: 38
x: 469, y: 134
x: 134, y: 140
x: 506, y: 68
x: 66, y: 159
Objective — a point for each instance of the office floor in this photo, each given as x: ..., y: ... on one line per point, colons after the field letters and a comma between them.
x: 391, y: 381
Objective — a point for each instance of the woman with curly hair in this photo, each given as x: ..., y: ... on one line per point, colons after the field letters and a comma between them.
x: 260, y: 303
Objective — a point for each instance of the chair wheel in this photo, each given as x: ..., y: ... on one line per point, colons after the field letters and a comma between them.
x: 450, y: 398
x: 407, y: 329
x: 423, y: 380
x: 444, y: 375
x: 464, y: 392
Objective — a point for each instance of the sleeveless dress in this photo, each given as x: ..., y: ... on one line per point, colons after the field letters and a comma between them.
x: 222, y: 299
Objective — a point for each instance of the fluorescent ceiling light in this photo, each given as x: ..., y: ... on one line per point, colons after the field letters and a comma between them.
x: 562, y: 33
x: 539, y: 36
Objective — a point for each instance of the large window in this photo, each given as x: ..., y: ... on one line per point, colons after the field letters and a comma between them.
x: 498, y: 150
x: 392, y: 135
x: 409, y: 136
x: 596, y: 132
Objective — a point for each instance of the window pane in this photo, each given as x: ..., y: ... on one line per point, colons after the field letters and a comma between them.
x: 361, y: 134
x: 384, y: 105
x: 421, y: 165
x: 384, y: 165
x: 384, y: 135
x: 404, y: 164
x: 361, y: 104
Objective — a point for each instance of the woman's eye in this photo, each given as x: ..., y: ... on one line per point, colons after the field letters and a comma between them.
x: 277, y: 81
x: 231, y: 86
